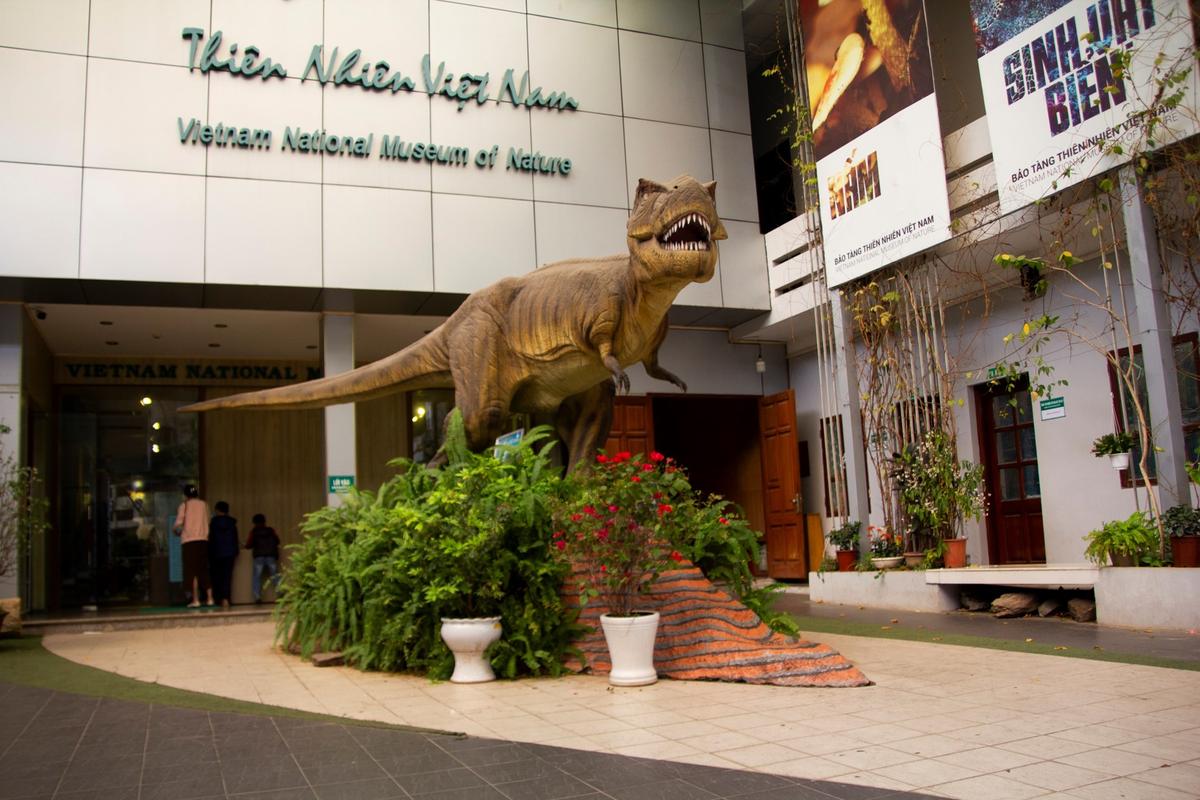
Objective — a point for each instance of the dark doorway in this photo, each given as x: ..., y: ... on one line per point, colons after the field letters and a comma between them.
x: 716, y: 440
x: 1014, y: 513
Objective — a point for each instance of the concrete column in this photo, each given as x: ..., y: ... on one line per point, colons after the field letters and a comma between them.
x: 11, y: 327
x: 337, y: 355
x: 850, y: 408
x: 1153, y: 333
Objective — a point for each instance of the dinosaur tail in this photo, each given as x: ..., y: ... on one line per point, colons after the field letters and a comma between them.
x: 422, y: 365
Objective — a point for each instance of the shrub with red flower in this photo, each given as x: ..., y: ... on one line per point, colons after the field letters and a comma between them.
x: 621, y: 527
x: 884, y: 543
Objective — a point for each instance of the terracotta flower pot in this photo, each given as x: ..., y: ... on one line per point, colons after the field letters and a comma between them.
x: 956, y: 553
x: 846, y: 559
x: 914, y: 559
x: 1186, y: 551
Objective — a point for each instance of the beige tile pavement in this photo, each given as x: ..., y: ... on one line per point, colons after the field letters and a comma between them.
x: 951, y: 721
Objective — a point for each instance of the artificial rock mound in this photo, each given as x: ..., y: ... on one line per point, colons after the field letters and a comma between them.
x: 705, y: 634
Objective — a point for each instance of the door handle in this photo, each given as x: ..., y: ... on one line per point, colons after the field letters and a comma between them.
x: 796, y: 502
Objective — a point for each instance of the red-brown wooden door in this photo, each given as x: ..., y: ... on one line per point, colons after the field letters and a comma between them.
x: 632, y: 426
x: 781, y: 486
x: 1014, y: 512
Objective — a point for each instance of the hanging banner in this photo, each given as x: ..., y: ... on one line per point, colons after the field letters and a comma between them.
x: 1061, y: 104
x: 881, y: 173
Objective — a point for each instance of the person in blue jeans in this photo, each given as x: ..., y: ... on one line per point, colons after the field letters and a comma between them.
x: 264, y: 544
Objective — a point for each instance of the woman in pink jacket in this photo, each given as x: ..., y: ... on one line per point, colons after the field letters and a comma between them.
x: 191, y: 523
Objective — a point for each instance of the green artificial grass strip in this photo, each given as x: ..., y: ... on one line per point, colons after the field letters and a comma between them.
x: 909, y: 634
x: 25, y: 662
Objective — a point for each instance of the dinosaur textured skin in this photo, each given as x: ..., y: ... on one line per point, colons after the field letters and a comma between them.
x: 556, y: 340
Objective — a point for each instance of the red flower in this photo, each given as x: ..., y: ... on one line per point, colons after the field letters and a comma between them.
x: 658, y: 495
x: 624, y: 455
x: 602, y: 534
x: 558, y: 534
x: 647, y: 468
x: 676, y: 555
x: 664, y: 509
x: 591, y: 512
x: 602, y: 459
x: 576, y: 517
x: 636, y: 479
x: 560, y: 544
x: 656, y: 456
x: 723, y: 521
x: 603, y: 568
x: 613, y: 509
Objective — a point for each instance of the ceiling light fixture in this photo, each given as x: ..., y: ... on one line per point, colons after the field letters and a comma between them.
x: 106, y: 322
x: 213, y: 344
x: 111, y: 343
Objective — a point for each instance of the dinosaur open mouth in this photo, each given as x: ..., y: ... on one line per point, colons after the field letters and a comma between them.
x: 689, y: 232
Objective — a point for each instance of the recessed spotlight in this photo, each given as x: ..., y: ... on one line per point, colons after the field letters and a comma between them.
x: 220, y: 325
x: 156, y: 336
x: 156, y: 426
x: 111, y: 343
x: 310, y: 347
x: 154, y: 448
x: 147, y: 400
x: 213, y: 344
x: 106, y: 322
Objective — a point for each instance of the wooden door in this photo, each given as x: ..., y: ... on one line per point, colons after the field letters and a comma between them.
x: 632, y: 426
x: 1014, y: 513
x: 781, y: 486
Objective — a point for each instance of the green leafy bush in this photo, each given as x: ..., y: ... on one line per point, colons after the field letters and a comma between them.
x: 1111, y: 444
x: 374, y: 576
x: 1135, y: 536
x: 845, y: 537
x: 1181, y: 521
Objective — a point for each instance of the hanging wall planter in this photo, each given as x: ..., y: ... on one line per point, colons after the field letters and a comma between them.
x: 1118, y: 460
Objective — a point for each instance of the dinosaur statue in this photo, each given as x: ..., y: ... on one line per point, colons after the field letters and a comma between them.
x: 548, y: 341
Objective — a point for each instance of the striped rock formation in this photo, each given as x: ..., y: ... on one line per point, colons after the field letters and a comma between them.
x: 705, y: 634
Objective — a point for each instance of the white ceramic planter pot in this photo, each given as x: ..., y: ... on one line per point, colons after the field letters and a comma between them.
x: 1118, y: 460
x: 887, y: 562
x: 467, y: 639
x: 631, y: 648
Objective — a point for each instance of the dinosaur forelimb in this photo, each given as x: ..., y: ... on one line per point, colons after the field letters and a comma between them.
x: 659, y: 373
x: 619, y: 377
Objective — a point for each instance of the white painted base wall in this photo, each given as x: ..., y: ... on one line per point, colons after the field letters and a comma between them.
x: 906, y: 591
x: 1148, y: 597
x: 1130, y: 597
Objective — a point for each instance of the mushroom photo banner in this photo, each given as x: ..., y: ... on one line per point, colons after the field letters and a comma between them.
x: 1067, y: 83
x: 881, y: 172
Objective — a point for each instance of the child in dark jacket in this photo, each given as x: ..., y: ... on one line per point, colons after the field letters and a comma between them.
x: 264, y: 544
x: 222, y: 552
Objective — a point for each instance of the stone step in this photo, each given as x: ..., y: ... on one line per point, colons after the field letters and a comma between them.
x: 126, y: 620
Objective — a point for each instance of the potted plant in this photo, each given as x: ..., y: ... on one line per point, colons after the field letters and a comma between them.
x: 1116, y: 446
x: 618, y: 532
x: 22, y: 511
x: 938, y: 492
x: 845, y: 540
x: 887, y: 549
x: 1182, y: 524
x: 1123, y: 542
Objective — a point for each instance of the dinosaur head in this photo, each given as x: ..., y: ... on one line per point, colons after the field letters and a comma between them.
x: 673, y: 229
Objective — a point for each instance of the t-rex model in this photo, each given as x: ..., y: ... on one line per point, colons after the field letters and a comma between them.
x: 547, y: 341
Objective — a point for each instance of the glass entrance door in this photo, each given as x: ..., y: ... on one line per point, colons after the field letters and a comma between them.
x: 124, y: 456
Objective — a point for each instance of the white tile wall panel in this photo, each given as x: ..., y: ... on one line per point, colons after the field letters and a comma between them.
x: 721, y: 23
x: 39, y: 220
x: 396, y: 31
x: 596, y: 12
x: 479, y: 240
x: 570, y: 231
x: 596, y: 146
x: 481, y: 128
x: 503, y: 5
x: 274, y: 107
x: 60, y: 27
x: 137, y: 30
x: 142, y: 226
x: 663, y: 79
x: 659, y: 151
x: 702, y: 294
x: 678, y: 18
x: 744, y: 266
x: 733, y: 168
x: 378, y: 239
x: 133, y: 113
x: 725, y: 76
x: 581, y: 60
x: 476, y: 40
x: 48, y: 89
x: 283, y: 32
x: 350, y: 110
x: 263, y: 233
